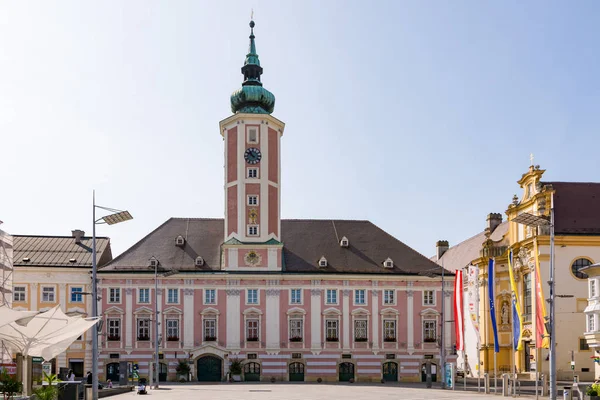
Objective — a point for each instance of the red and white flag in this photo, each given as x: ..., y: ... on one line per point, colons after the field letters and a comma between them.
x: 458, y: 311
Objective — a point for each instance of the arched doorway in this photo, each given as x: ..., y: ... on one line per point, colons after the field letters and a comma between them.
x: 209, y: 369
x: 112, y: 372
x: 296, y: 372
x: 424, y: 372
x: 346, y: 372
x: 390, y: 372
x: 252, y: 372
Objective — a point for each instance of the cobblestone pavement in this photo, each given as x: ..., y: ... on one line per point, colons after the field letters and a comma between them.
x: 263, y: 391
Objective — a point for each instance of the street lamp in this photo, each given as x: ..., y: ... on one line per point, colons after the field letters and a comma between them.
x: 538, y: 221
x: 116, y: 217
x: 164, y: 273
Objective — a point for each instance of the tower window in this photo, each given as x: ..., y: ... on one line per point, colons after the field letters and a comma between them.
x: 252, y: 173
x: 252, y: 200
x: 252, y: 135
x: 252, y: 230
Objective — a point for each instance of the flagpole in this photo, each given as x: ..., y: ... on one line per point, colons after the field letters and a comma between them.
x: 495, y: 355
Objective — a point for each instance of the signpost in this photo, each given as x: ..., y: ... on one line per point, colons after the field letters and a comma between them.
x: 37, y: 360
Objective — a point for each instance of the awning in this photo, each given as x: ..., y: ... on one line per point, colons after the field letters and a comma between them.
x: 8, y: 315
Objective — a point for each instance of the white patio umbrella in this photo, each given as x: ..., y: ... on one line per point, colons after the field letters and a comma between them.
x: 8, y: 315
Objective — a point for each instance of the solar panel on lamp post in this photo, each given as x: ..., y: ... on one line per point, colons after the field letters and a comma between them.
x: 116, y: 217
x: 528, y: 219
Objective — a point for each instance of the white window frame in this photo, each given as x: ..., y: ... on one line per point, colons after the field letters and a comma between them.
x: 142, y: 324
x: 434, y: 322
x: 593, y: 288
x: 71, y: 293
x: 248, y: 297
x: 591, y: 322
x: 249, y: 329
x: 386, y: 297
x: 209, y: 325
x: 172, y: 290
x: 114, y: 295
x: 358, y: 322
x: 363, y: 292
x: 115, y: 328
x: 248, y: 130
x: 425, y: 297
x: 250, y: 228
x: 296, y: 328
x: 335, y: 291
x: 332, y: 324
x: 205, y: 298
x: 255, y: 169
x: 22, y: 293
x: 298, y: 301
x: 252, y: 200
x: 174, y: 328
x: 147, y: 291
x: 52, y: 292
x: 385, y: 329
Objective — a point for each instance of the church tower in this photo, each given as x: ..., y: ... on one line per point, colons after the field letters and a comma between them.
x: 252, y: 174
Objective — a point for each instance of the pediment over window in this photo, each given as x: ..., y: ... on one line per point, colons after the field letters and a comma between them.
x: 429, y: 311
x: 296, y: 310
x: 389, y: 310
x: 209, y: 311
x: 332, y: 311
x: 114, y: 310
x: 172, y: 310
x: 361, y: 311
x: 143, y: 310
x: 252, y: 310
x: 76, y: 312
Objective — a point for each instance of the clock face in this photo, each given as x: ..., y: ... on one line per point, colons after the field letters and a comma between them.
x: 252, y: 155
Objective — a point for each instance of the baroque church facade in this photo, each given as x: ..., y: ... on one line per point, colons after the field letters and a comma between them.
x: 290, y: 299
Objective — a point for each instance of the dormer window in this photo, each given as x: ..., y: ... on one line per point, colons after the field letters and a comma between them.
x: 179, y: 241
x: 388, y: 263
x: 344, y: 242
x: 199, y: 261
x: 323, y: 262
x: 153, y: 263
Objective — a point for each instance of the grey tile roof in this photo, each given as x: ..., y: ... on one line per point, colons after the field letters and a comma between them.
x: 57, y: 251
x: 461, y: 255
x: 305, y: 241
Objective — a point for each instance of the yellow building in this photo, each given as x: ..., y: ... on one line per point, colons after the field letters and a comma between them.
x: 51, y: 270
x: 577, y: 245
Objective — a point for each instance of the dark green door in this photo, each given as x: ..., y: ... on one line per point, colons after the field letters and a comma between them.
x: 252, y: 372
x: 390, y: 372
x: 296, y: 372
x: 112, y: 372
x: 346, y: 372
x: 162, y: 374
x: 209, y: 369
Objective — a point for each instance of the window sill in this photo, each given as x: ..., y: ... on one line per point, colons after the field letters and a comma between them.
x: 114, y: 339
x: 210, y: 339
x: 332, y: 340
x: 295, y: 339
x: 251, y: 339
x: 361, y: 340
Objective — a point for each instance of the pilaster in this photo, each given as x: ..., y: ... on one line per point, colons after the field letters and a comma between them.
x: 33, y: 296
x: 188, y: 318
x: 128, y: 317
x: 272, y: 322
x: 62, y: 296
x: 315, y: 319
x: 346, y: 319
x: 375, y: 318
x: 233, y: 318
x: 410, y: 328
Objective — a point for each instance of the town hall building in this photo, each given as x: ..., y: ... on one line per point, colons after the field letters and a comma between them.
x: 291, y: 299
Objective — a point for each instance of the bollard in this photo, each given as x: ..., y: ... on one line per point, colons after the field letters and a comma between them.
x: 567, y: 393
x: 544, y: 385
x: 505, y: 385
x: 486, y: 383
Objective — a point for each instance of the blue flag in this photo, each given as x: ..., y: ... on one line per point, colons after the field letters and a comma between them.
x: 491, y: 284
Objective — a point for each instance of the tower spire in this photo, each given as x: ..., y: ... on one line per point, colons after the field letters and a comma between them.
x: 252, y: 97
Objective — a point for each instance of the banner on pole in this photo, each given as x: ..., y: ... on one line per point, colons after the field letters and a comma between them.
x: 458, y: 311
x: 491, y: 284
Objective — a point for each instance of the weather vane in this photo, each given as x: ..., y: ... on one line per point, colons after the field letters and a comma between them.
x: 252, y: 13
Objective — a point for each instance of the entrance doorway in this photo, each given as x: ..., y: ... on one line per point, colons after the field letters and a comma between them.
x: 77, y: 366
x: 527, y: 351
x: 390, y: 372
x: 346, y: 372
x: 424, y: 372
x: 252, y: 372
x: 209, y: 369
x: 296, y: 372
x: 112, y: 372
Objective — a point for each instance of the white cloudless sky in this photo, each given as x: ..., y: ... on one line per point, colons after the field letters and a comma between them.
x: 419, y: 116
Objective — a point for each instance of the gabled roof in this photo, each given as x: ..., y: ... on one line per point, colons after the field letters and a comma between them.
x: 461, y: 255
x: 304, y: 241
x: 576, y: 208
x: 57, y: 251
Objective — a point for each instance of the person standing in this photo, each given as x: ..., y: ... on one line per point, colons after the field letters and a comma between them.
x: 70, y: 376
x: 89, y: 378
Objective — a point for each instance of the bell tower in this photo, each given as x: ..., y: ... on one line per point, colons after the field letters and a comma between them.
x: 252, y: 174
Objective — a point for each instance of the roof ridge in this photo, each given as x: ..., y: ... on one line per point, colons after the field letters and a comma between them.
x: 574, y: 183
x: 325, y: 219
x: 59, y: 237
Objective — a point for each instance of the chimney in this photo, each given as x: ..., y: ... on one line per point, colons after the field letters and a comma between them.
x: 441, y: 247
x: 78, y: 234
x: 492, y: 222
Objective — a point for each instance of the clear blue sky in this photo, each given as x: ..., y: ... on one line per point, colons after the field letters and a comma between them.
x: 419, y: 116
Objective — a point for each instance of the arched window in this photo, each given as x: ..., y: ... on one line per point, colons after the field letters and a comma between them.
x: 577, y: 265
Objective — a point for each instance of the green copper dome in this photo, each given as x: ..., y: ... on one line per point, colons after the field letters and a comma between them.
x: 252, y: 97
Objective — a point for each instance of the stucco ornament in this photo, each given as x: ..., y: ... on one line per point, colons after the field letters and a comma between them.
x: 505, y: 318
x: 252, y: 216
x: 252, y: 258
